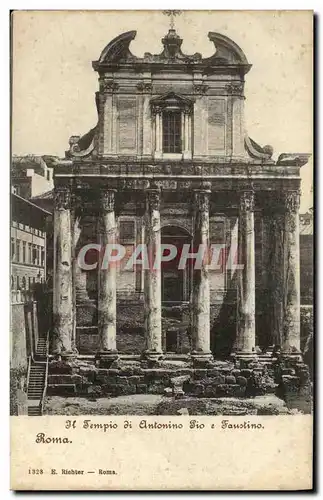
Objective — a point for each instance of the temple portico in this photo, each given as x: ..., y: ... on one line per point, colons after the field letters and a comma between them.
x: 202, y: 197
x: 170, y: 162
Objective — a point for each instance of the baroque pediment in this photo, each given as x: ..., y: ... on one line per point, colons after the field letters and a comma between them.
x: 227, y: 52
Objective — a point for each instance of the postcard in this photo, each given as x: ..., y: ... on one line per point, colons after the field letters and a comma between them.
x: 162, y: 250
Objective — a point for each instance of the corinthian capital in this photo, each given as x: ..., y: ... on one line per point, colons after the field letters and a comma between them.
x: 153, y: 199
x: 247, y: 201
x: 107, y: 198
x: 62, y: 198
x: 292, y: 201
x: 202, y: 201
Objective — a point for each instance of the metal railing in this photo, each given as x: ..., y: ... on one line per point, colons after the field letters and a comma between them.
x: 46, y: 375
x: 28, y: 372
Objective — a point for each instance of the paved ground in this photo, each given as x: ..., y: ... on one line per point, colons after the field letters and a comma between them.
x: 151, y: 404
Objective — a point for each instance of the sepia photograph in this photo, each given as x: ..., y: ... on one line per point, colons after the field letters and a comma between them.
x: 162, y: 214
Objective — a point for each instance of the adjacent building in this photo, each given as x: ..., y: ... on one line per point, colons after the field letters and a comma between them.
x: 28, y: 243
x: 31, y: 175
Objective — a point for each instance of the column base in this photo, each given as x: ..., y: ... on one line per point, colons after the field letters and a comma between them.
x: 201, y: 359
x: 106, y: 358
x: 293, y: 356
x: 244, y: 355
x: 66, y: 356
x: 152, y: 356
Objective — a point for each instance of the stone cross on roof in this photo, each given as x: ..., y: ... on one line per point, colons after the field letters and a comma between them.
x: 172, y: 14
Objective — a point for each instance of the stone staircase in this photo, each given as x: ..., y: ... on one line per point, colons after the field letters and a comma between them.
x: 41, y: 349
x: 37, y: 379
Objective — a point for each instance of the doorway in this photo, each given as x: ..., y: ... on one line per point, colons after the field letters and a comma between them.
x: 176, y: 283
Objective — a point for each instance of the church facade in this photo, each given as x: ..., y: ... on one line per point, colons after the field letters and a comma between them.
x: 170, y: 163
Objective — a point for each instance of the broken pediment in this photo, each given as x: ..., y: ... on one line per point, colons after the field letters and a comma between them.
x: 227, y: 53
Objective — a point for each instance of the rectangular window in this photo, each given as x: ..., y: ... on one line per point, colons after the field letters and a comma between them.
x: 29, y: 257
x: 13, y: 249
x: 34, y: 254
x: 18, y: 251
x: 172, y: 127
x: 24, y: 251
x: 42, y: 257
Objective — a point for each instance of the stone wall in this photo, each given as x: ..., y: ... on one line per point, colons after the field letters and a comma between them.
x: 289, y: 379
x: 21, y: 335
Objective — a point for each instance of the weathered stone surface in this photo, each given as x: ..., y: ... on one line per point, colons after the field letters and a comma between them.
x: 219, y: 379
x: 65, y: 379
x: 127, y: 371
x: 196, y: 388
x: 142, y: 388
x: 233, y: 390
x: 59, y: 367
x: 200, y: 373
x: 156, y: 389
x: 179, y: 381
x: 61, y: 389
x: 230, y: 379
x: 178, y: 393
x: 222, y: 390
x: 122, y: 381
x: 135, y: 379
x: 210, y: 391
x: 242, y: 381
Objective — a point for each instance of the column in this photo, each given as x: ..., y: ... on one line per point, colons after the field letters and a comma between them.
x: 187, y: 120
x: 63, y: 288
x: 152, y: 284
x: 201, y: 287
x: 76, y: 232
x: 158, y: 134
x: 291, y: 275
x: 246, y: 333
x: 107, y: 290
